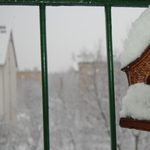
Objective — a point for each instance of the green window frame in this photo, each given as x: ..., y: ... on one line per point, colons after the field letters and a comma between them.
x: 107, y: 4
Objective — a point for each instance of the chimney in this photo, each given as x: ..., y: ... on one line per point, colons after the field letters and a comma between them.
x: 2, y: 29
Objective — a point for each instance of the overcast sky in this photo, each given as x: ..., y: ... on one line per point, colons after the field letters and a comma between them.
x: 69, y: 30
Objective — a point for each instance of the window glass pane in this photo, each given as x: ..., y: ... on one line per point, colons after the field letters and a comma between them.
x: 79, y: 111
x: 20, y: 75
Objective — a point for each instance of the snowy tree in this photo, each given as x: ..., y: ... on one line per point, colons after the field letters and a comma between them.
x: 30, y: 110
x: 63, y: 92
x: 12, y: 137
x: 26, y: 133
x: 79, y: 119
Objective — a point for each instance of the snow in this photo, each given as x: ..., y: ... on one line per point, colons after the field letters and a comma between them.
x: 136, y: 103
x: 22, y: 147
x: 137, y: 40
x: 23, y: 116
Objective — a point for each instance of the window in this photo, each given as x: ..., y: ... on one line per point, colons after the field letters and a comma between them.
x: 108, y: 4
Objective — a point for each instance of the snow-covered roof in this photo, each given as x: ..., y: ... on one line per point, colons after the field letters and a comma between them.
x: 4, y: 39
x: 138, y: 39
x: 136, y: 103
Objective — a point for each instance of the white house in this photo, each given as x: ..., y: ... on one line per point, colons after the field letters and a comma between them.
x: 8, y: 83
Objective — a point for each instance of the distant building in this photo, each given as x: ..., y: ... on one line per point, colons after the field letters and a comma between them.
x: 89, y: 72
x: 26, y: 75
x: 8, y: 67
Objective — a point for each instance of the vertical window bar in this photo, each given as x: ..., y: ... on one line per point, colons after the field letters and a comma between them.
x: 110, y: 76
x: 44, y: 77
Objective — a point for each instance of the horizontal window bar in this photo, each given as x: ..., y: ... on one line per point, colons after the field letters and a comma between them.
x: 119, y: 3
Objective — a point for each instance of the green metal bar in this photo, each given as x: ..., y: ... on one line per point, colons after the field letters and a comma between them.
x: 117, y: 3
x: 110, y: 76
x: 44, y: 77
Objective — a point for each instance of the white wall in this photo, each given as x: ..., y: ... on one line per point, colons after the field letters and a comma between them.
x: 13, y: 83
x: 10, y: 86
x: 1, y: 92
x: 6, y: 89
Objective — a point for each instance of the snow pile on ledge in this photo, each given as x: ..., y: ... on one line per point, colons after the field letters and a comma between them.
x: 136, y: 103
x: 138, y: 39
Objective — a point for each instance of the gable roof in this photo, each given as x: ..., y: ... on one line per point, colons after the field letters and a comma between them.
x: 138, y: 60
x: 5, y: 37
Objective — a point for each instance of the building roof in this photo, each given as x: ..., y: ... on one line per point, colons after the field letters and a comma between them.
x: 5, y: 36
x: 138, y: 60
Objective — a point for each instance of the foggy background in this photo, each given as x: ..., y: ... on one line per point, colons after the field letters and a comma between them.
x: 69, y: 30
